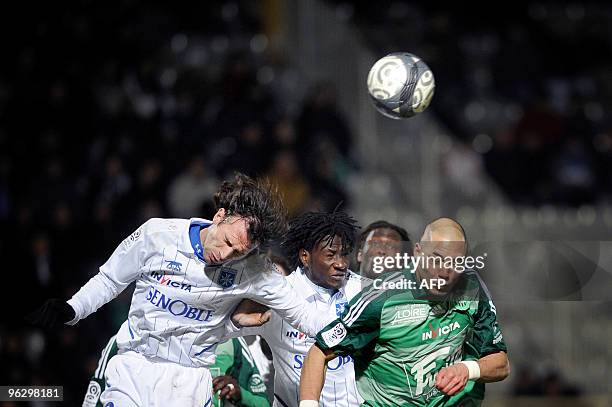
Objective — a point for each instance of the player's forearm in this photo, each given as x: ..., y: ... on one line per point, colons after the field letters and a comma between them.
x: 96, y: 292
x: 312, y: 377
x: 494, y: 367
x: 290, y: 306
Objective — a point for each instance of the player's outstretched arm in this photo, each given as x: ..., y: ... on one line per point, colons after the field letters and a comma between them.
x: 115, y: 275
x: 250, y: 314
x: 273, y: 290
x: 491, y: 368
x: 313, y: 375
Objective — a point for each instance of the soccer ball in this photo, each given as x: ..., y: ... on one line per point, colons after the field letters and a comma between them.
x: 401, y: 85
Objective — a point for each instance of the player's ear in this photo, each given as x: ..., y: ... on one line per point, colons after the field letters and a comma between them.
x: 219, y: 216
x: 359, y: 256
x: 305, y: 258
x: 418, y: 250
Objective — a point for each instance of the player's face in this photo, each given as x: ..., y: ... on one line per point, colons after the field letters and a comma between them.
x: 327, y: 263
x: 225, y: 239
x: 379, y: 243
x: 433, y: 270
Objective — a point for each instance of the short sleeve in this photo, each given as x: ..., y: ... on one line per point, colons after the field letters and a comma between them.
x: 487, y: 336
x: 358, y: 326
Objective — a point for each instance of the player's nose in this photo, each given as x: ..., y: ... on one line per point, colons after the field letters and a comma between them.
x: 341, y: 264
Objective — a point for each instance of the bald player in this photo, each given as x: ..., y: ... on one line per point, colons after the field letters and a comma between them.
x: 417, y: 346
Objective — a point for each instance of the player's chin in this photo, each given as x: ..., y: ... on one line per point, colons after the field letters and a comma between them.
x: 434, y: 292
x: 336, y: 280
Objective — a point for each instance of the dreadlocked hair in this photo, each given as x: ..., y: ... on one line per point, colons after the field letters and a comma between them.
x: 258, y: 202
x: 309, y: 229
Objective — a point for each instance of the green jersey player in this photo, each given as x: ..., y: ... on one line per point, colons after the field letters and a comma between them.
x: 418, y: 338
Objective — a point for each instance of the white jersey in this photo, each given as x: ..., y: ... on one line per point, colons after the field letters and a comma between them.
x: 290, y: 346
x: 179, y: 309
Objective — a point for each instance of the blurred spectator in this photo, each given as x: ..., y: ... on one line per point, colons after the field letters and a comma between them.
x: 550, y: 384
x: 292, y: 185
x: 192, y: 189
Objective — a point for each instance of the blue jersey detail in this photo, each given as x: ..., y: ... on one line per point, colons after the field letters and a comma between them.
x: 194, y: 237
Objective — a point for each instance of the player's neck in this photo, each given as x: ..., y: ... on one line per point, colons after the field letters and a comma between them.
x: 203, y: 234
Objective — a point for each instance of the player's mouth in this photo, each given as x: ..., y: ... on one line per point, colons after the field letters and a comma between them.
x: 338, y: 276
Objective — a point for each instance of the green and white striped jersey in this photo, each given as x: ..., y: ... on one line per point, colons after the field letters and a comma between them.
x: 400, y: 339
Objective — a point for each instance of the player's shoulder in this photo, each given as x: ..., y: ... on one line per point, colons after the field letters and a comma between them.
x: 165, y: 225
x: 473, y: 285
x: 373, y: 297
x: 354, y: 284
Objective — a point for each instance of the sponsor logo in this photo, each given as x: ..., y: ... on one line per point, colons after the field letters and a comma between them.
x: 410, y: 314
x: 340, y: 306
x: 332, y: 365
x: 165, y: 280
x: 109, y: 404
x: 441, y: 331
x: 177, y: 307
x: 297, y: 335
x: 174, y: 265
x: 423, y: 370
x: 335, y: 335
x: 93, y: 394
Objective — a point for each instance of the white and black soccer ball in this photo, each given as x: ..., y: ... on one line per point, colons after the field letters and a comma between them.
x: 401, y: 85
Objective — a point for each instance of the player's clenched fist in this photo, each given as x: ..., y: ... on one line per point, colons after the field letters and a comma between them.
x: 452, y: 379
x: 228, y: 387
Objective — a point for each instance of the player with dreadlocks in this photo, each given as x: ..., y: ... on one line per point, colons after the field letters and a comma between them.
x: 317, y: 247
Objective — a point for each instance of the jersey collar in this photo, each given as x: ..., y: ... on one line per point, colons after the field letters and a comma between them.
x: 195, y: 226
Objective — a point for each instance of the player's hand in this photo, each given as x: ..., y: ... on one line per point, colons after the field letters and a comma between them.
x: 452, y: 379
x: 52, y: 313
x: 250, y: 313
x: 228, y: 386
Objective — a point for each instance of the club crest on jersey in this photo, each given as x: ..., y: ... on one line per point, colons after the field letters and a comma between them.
x: 227, y: 276
x: 173, y: 265
x: 340, y: 306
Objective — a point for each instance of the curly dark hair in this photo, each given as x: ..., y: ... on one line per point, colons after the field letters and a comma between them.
x: 309, y: 229
x: 259, y: 202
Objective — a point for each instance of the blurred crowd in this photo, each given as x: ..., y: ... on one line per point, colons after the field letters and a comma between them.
x: 526, y: 87
x: 113, y: 115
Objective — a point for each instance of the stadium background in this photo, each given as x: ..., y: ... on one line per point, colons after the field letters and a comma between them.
x: 114, y: 113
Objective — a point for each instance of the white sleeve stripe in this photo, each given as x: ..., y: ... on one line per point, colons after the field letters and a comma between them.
x: 365, y: 297
x: 370, y: 291
x: 107, y: 358
x: 483, y: 285
x: 363, y: 306
x: 101, y: 361
x: 356, y: 309
x: 104, y: 359
x: 248, y: 357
